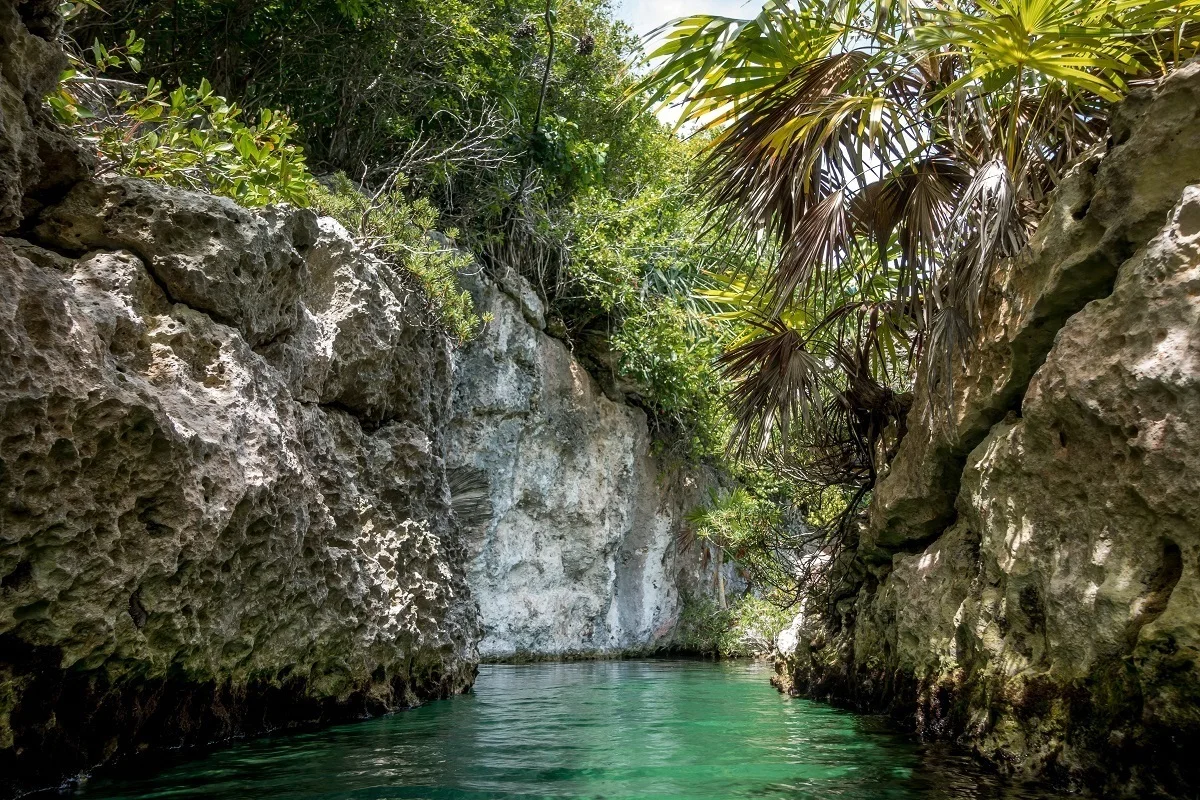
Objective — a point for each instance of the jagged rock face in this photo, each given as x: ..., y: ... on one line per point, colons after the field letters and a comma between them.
x: 37, y: 162
x: 223, y: 505
x: 1030, y: 581
x: 583, y: 552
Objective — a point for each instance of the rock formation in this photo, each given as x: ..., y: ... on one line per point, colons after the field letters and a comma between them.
x: 212, y: 521
x: 224, y: 498
x: 582, y: 552
x: 1029, y: 580
x: 38, y: 162
x: 224, y: 504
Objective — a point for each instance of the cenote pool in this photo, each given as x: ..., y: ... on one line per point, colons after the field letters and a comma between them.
x: 629, y: 729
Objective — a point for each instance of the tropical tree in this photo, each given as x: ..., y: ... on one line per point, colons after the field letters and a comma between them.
x: 887, y: 156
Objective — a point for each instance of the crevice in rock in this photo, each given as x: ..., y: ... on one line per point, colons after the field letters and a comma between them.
x: 137, y: 611
x: 368, y: 423
x: 175, y: 301
x: 278, y: 338
x: 19, y: 577
x: 30, y: 235
x: 1153, y: 602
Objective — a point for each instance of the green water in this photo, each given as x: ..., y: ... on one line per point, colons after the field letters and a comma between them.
x: 632, y: 729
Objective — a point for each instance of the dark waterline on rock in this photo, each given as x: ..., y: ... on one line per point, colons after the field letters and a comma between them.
x: 630, y: 729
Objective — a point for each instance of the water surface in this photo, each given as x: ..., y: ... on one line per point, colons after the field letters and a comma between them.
x: 675, y: 730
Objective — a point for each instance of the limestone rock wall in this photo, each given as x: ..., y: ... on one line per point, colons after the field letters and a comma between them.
x: 1029, y: 581
x: 584, y: 551
x: 223, y: 505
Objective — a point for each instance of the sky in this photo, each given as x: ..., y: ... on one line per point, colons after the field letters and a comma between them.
x: 646, y: 15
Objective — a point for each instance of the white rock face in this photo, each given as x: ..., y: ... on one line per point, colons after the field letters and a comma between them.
x: 582, y: 553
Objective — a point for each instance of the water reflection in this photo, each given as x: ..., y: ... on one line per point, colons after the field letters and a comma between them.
x: 652, y: 729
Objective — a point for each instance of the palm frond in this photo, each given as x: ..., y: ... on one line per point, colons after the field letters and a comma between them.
x: 778, y: 383
x: 891, y: 156
x: 986, y: 227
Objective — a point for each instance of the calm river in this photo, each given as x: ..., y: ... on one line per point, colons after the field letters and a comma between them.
x: 616, y: 729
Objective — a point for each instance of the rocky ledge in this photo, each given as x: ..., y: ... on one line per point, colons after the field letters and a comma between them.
x: 223, y: 505
x: 223, y: 508
x: 1029, y: 580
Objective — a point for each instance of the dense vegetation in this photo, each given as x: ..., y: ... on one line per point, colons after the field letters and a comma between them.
x: 884, y: 159
x: 504, y: 125
x: 819, y: 243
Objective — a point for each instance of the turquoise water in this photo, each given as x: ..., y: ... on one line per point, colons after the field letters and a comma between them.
x: 627, y: 729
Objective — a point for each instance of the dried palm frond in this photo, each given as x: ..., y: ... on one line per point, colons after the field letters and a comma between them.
x: 779, y: 383
x: 893, y: 155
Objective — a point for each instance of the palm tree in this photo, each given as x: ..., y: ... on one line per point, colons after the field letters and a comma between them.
x: 886, y: 156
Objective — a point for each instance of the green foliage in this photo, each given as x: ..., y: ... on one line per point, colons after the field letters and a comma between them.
x: 191, y: 138
x: 748, y: 527
x: 748, y: 627
x: 401, y: 233
x: 367, y: 80
x: 197, y: 140
x: 563, y: 152
x: 446, y: 91
x: 782, y: 528
x: 661, y: 351
x: 892, y: 155
x: 735, y: 520
x: 638, y: 258
x: 70, y: 9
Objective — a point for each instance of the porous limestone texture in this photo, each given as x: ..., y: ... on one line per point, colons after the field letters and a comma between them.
x: 586, y: 550
x: 223, y: 503
x: 1029, y: 579
x: 37, y: 161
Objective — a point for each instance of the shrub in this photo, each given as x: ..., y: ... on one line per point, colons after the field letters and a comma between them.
x: 401, y: 233
x: 638, y: 256
x: 190, y: 137
x: 746, y: 526
x: 747, y: 628
x: 661, y: 351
